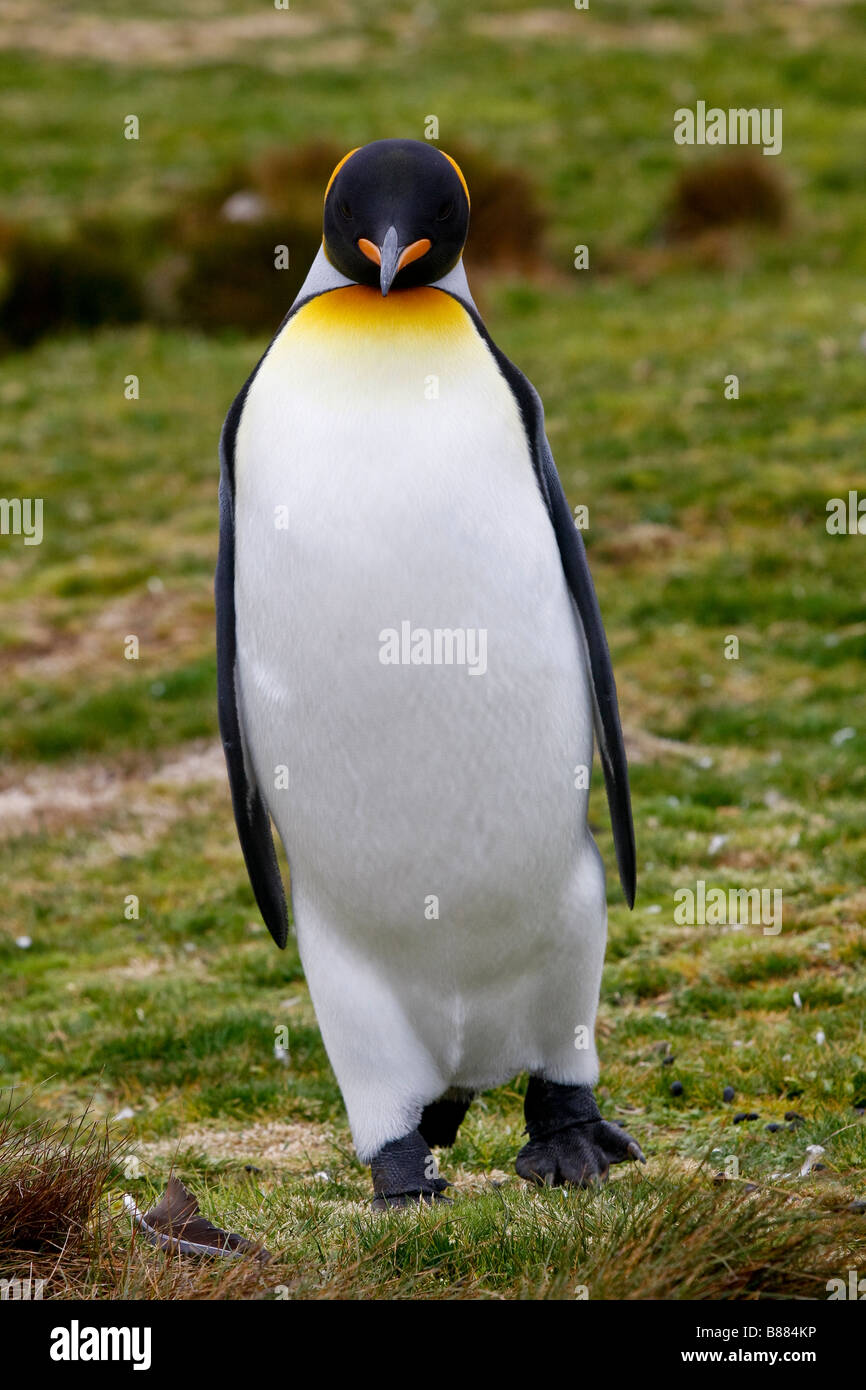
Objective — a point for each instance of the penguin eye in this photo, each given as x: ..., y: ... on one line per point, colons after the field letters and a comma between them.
x: 345, y: 210
x: 446, y: 211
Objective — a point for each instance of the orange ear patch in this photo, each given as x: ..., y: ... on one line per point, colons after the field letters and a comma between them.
x: 459, y: 171
x: 339, y: 167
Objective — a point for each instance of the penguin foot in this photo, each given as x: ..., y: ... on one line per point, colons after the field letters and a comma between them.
x: 569, y: 1142
x: 404, y: 1173
x: 580, y: 1156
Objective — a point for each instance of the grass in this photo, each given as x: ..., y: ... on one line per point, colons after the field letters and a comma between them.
x: 669, y: 1236
x: 706, y: 520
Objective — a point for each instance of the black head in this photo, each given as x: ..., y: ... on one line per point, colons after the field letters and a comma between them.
x: 396, y: 212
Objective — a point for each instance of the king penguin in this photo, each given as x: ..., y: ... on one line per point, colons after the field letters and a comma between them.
x: 389, y: 512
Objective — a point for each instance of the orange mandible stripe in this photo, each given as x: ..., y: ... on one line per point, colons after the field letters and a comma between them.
x: 459, y: 174
x: 414, y: 252
x: 339, y: 167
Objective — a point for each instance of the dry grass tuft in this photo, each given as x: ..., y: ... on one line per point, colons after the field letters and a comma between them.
x: 716, y: 193
x: 59, y: 1224
x: 51, y: 1180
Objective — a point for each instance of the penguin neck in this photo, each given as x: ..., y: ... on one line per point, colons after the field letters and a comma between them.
x: 322, y: 276
x: 455, y: 283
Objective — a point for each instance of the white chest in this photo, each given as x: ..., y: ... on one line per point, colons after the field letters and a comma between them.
x: 383, y: 479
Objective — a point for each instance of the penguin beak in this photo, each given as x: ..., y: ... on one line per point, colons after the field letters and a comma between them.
x: 391, y: 257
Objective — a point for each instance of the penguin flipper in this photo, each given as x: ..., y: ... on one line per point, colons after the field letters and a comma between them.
x: 576, y: 568
x: 251, y: 814
x: 611, y: 745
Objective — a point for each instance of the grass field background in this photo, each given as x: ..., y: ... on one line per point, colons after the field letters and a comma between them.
x: 707, y: 519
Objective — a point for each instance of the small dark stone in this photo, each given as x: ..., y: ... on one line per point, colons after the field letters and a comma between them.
x: 858, y: 1207
x: 818, y: 1167
x: 728, y: 1094
x: 676, y: 1088
x: 793, y: 1118
x: 772, y: 1128
x: 668, y: 1061
x: 743, y: 1115
x: 251, y: 1168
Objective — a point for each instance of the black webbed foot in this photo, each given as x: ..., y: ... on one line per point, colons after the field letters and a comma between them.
x: 404, y: 1173
x: 569, y: 1142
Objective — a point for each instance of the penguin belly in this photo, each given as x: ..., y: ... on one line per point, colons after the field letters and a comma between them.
x: 448, y: 898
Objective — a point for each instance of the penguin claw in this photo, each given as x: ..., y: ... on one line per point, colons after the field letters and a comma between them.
x: 580, y: 1155
x: 407, y: 1199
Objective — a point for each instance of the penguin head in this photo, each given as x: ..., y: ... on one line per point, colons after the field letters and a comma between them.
x: 396, y: 214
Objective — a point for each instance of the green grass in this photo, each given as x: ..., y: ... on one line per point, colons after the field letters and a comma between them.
x: 706, y: 520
